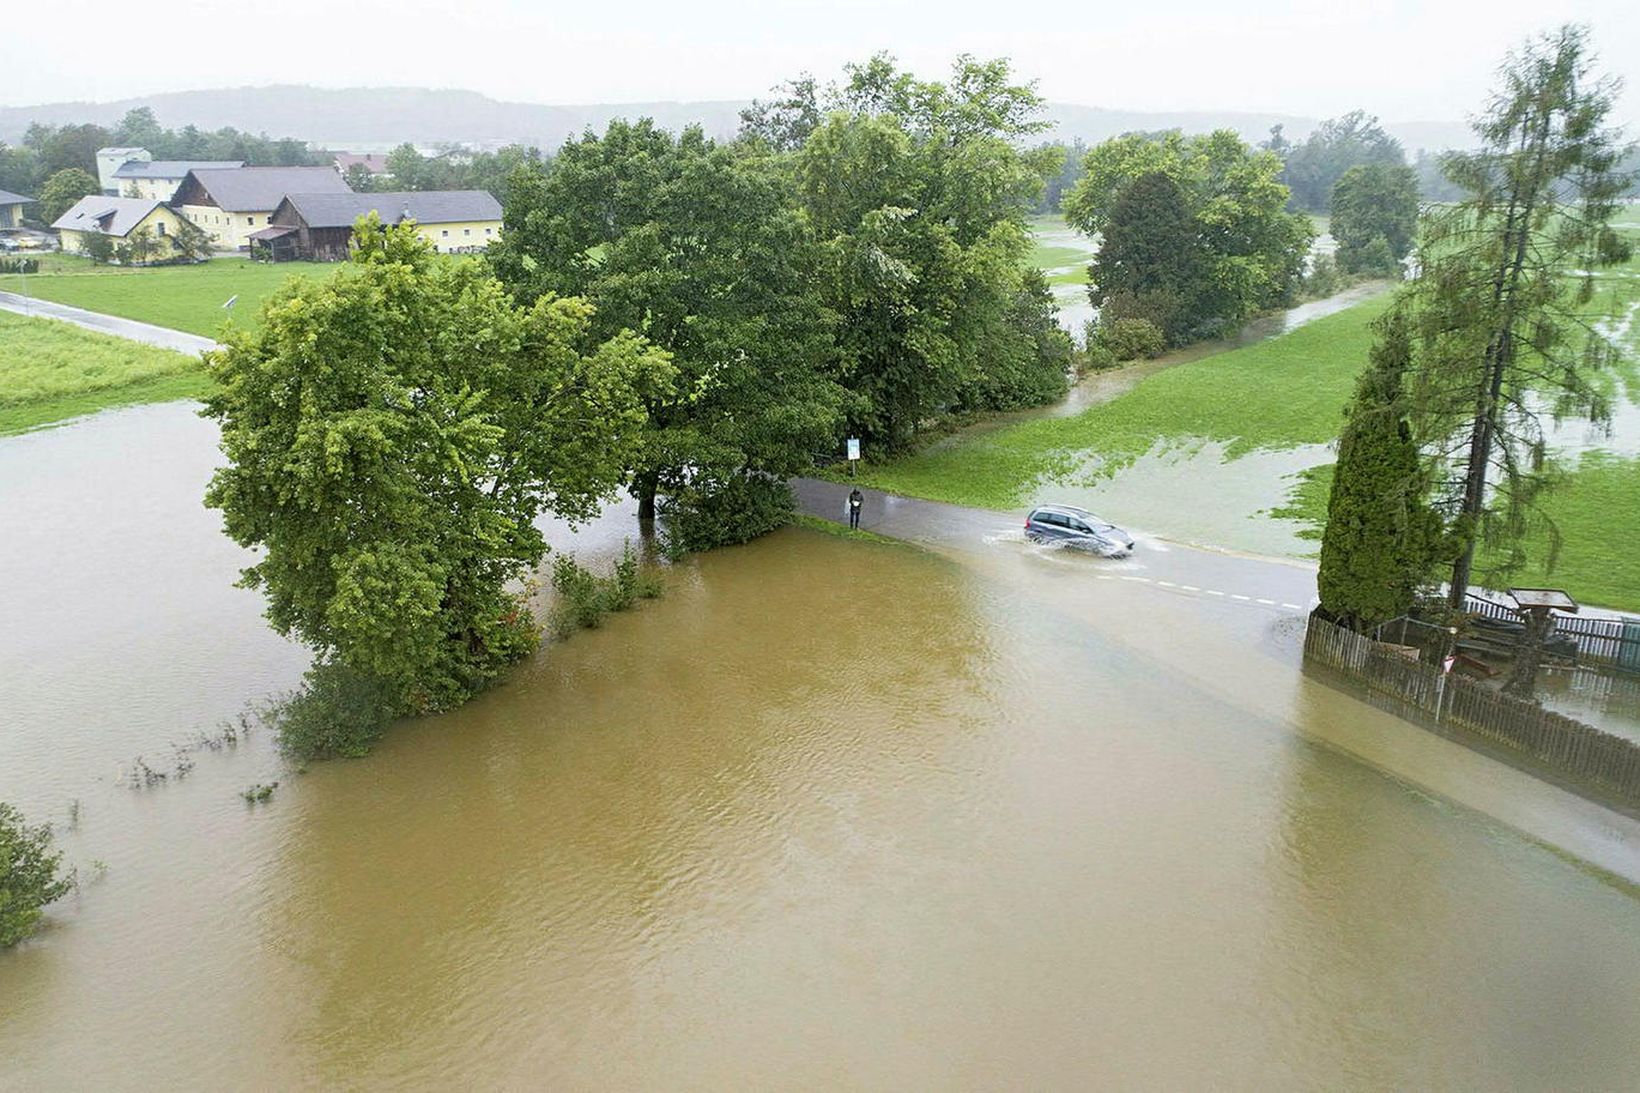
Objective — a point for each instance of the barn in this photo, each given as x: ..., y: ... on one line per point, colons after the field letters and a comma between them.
x: 320, y: 226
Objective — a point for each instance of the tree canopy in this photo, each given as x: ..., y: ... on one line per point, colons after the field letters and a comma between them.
x: 1315, y: 164
x: 1252, y: 249
x: 697, y: 246
x: 392, y: 433
x: 1380, y: 535
x: 1151, y: 264
x: 63, y: 189
x: 1374, y: 218
x: 917, y: 195
x: 1503, y: 301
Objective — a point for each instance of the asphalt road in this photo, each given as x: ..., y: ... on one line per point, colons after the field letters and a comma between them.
x: 1260, y: 583
x: 106, y: 324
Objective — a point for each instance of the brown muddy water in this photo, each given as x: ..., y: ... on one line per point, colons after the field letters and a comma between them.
x: 829, y: 814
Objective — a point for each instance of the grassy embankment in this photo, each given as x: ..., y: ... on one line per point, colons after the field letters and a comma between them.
x: 179, y: 297
x: 1278, y: 394
x: 50, y: 371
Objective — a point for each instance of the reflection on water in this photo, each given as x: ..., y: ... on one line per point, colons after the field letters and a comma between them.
x: 828, y: 814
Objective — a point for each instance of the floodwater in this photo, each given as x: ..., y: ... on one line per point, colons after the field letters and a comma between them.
x: 829, y: 814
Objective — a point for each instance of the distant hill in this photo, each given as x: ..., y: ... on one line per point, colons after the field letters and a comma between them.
x: 382, y: 116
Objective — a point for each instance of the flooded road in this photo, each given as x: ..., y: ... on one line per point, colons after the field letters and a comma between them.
x: 831, y: 813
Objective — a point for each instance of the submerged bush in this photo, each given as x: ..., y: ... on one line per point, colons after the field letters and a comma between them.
x: 28, y: 875
x: 725, y: 512
x: 338, y: 712
x: 584, y: 598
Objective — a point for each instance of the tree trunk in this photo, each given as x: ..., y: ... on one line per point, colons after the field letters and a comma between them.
x: 1474, y: 487
x: 645, y: 485
x: 1523, y: 673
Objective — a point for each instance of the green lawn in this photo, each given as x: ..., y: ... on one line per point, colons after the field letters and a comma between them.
x: 180, y: 297
x: 1277, y: 394
x: 50, y: 371
x: 1058, y: 248
x: 1596, y: 512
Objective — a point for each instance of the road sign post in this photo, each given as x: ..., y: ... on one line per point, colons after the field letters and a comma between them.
x: 853, y: 454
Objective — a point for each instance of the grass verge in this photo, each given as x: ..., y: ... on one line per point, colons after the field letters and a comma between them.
x: 179, y: 297
x: 1281, y: 393
x: 838, y: 531
x: 51, y: 371
x: 1595, y: 511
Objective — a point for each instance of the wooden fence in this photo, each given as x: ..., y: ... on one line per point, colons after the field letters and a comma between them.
x: 1564, y: 746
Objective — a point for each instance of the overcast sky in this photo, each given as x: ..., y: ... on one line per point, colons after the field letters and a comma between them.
x: 1404, y: 61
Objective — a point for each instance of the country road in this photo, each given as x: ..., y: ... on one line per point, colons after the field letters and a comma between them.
x: 147, y: 333
x: 1274, y: 585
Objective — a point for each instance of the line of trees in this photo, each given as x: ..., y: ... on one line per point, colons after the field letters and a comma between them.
x: 1495, y: 331
x: 686, y: 319
x: 409, y: 169
x: 47, y: 149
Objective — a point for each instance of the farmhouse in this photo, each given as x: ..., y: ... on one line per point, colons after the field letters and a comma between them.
x: 141, y: 223
x: 11, y: 209
x: 231, y: 203
x: 320, y: 226
x: 159, y: 178
x: 110, y: 160
x: 374, y: 162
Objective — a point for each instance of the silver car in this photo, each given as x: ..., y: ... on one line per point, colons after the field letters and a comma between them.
x: 1077, y: 528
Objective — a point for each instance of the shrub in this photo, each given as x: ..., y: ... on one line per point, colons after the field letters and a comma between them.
x: 1130, y: 339
x: 1373, y: 259
x: 19, y: 265
x: 338, y: 712
x: 584, y: 598
x: 724, y: 512
x: 1323, y: 278
x: 28, y: 875
x: 97, y: 247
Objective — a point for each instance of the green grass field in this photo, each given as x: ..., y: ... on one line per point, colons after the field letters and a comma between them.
x: 1277, y: 394
x: 1059, y: 252
x: 51, y: 371
x: 180, y: 297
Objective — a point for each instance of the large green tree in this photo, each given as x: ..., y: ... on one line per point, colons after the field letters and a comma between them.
x: 1252, y: 249
x: 1315, y: 164
x: 1150, y: 263
x: 63, y: 189
x: 1374, y: 218
x: 1380, y: 535
x: 917, y: 192
x: 392, y: 435
x: 697, y: 246
x: 1504, y: 301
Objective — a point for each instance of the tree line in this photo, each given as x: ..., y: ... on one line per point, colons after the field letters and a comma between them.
x: 689, y: 320
x: 46, y: 149
x: 451, y: 169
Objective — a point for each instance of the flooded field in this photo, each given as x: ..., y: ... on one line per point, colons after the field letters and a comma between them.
x: 829, y: 814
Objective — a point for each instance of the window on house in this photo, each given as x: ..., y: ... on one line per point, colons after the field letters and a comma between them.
x: 486, y: 231
x: 159, y: 228
x: 251, y: 221
x: 466, y: 231
x: 446, y: 231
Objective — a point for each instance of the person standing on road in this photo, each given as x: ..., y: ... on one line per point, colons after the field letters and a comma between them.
x: 856, y: 501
